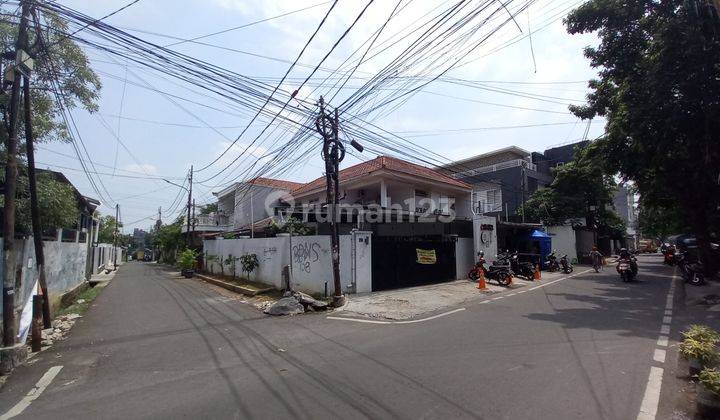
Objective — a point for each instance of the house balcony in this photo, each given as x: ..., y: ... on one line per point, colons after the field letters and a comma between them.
x: 497, y: 167
x: 206, y: 223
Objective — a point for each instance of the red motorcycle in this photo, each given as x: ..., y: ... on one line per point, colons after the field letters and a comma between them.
x: 669, y: 256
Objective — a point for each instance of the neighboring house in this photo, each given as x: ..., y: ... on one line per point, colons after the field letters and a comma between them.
x: 86, y: 223
x: 244, y: 203
x: 420, y: 219
x: 406, y: 189
x: 624, y: 202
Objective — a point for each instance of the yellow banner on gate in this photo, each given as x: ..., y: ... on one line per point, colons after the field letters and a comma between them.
x: 426, y: 256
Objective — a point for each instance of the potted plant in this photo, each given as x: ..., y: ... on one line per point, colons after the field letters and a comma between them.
x: 708, y: 397
x: 187, y: 262
x: 698, y: 353
x: 701, y: 333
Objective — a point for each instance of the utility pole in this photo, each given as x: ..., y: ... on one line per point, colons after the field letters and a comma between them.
x: 522, y: 192
x: 115, y: 237
x: 187, y: 238
x: 194, y: 220
x: 11, y: 173
x: 252, y: 215
x: 333, y: 153
x: 34, y: 206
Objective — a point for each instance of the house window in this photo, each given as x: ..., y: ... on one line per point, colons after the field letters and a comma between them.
x: 421, y: 193
x: 559, y: 164
x: 494, y: 200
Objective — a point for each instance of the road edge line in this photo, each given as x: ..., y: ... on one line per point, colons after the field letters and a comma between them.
x: 33, y: 394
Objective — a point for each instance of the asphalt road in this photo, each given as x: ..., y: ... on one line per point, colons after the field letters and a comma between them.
x: 157, y: 346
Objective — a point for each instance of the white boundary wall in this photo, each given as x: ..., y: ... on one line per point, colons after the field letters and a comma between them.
x: 563, y: 241
x: 309, y: 258
x: 464, y: 257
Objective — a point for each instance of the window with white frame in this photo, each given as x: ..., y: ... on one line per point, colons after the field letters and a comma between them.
x: 486, y: 201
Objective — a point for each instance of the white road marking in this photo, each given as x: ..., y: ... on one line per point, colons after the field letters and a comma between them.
x: 667, y: 319
x: 665, y: 330
x: 33, y: 394
x: 512, y: 294
x: 668, y: 311
x: 651, y: 399
x: 414, y: 321
x: 484, y: 301
x: 662, y: 341
x: 522, y: 291
x: 496, y: 298
x: 659, y: 355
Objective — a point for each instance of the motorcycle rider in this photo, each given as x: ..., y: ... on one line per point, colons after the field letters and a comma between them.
x: 596, y: 257
x: 626, y: 255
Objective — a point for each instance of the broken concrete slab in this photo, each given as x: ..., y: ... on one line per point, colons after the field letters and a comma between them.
x: 286, y: 306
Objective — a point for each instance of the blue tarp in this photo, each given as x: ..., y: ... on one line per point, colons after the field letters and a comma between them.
x: 541, y: 242
x: 539, y: 234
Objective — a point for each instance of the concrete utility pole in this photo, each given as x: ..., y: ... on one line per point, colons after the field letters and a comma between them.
x: 34, y: 205
x: 333, y: 153
x: 187, y: 238
x: 11, y: 173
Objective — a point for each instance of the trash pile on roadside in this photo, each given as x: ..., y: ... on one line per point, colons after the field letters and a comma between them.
x: 293, y: 303
x: 60, y: 326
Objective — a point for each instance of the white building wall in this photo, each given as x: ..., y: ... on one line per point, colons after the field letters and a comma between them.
x: 563, y: 241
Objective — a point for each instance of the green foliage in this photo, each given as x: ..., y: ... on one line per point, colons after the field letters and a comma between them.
x: 187, y: 259
x: 659, y: 221
x: 710, y: 379
x: 701, y: 333
x: 57, y: 203
x: 577, y: 186
x: 106, y: 233
x: 209, y: 208
x: 231, y: 262
x: 704, y: 351
x: 659, y: 89
x: 292, y: 226
x: 70, y: 67
x: 249, y: 262
x: 169, y: 239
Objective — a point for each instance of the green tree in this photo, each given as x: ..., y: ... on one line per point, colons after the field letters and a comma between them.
x: 57, y: 203
x: 209, y: 208
x: 292, y: 226
x: 659, y: 221
x: 579, y: 186
x: 63, y: 62
x: 659, y: 88
x: 169, y: 240
x: 106, y: 233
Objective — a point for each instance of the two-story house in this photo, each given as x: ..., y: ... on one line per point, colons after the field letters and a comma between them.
x: 243, y: 204
x: 411, y: 210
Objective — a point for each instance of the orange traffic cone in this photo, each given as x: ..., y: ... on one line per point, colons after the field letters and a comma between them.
x: 536, y: 275
x: 481, y: 280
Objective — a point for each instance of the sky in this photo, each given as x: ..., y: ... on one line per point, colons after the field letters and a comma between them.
x: 138, y: 136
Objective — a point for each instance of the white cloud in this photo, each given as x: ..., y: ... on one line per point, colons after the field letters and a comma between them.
x: 145, y: 168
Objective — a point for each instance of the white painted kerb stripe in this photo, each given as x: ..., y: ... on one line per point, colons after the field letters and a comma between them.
x: 33, y: 394
x: 651, y: 399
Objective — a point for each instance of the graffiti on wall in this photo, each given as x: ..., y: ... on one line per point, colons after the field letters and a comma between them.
x: 305, y: 254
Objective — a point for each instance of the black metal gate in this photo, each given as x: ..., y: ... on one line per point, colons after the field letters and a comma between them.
x: 411, y: 261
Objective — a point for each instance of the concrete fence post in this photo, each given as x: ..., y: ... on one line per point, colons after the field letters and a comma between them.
x: 59, y: 235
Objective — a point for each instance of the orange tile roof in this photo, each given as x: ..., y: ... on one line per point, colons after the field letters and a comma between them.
x: 388, y: 163
x: 275, y: 183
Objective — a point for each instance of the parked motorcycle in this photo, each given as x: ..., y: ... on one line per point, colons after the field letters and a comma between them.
x: 552, y: 263
x: 501, y: 273
x: 522, y: 269
x: 566, y: 265
x: 691, y: 268
x: 669, y: 255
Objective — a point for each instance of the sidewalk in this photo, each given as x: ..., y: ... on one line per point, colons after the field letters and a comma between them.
x: 402, y: 304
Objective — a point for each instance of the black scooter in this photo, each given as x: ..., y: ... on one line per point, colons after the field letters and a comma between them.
x: 521, y: 269
x: 566, y: 265
x: 552, y: 263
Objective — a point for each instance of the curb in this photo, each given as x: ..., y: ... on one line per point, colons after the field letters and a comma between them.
x: 232, y: 287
